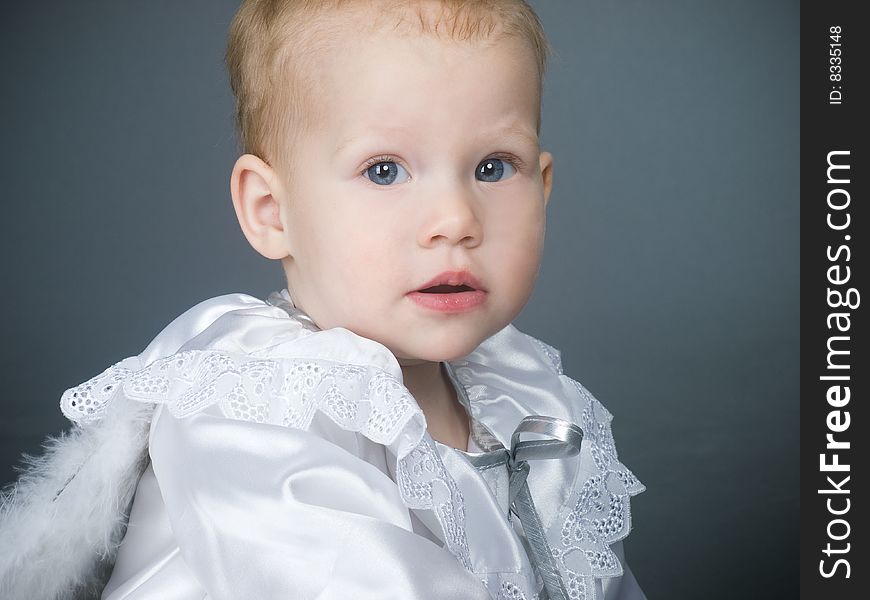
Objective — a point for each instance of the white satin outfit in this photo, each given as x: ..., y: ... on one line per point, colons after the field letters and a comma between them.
x: 289, y: 462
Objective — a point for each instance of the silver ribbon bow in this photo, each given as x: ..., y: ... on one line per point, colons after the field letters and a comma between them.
x: 564, y: 442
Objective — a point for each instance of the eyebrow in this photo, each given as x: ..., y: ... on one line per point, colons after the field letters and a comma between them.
x: 352, y: 140
x: 514, y: 133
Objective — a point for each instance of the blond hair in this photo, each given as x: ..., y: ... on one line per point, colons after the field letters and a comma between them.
x: 273, y: 42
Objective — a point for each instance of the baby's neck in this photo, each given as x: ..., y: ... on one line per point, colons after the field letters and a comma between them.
x: 446, y: 418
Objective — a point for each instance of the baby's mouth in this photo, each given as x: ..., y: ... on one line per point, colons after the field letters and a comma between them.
x: 450, y: 292
x: 446, y: 289
x: 460, y: 284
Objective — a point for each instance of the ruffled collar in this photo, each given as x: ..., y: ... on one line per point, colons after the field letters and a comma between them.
x: 268, y: 362
x: 512, y: 375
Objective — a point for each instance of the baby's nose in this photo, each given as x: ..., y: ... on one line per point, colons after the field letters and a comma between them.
x: 452, y: 219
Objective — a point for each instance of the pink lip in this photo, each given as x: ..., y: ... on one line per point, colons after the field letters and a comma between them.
x: 453, y: 278
x: 451, y: 302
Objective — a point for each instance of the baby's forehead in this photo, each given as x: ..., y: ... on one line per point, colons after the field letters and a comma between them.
x: 344, y: 37
x: 358, y: 22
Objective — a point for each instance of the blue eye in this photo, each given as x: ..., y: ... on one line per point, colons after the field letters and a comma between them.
x: 385, y: 172
x: 493, y: 169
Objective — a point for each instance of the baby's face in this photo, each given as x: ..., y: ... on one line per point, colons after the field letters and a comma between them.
x: 425, y: 169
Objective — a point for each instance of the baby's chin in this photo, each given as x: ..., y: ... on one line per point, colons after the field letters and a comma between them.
x: 435, y: 350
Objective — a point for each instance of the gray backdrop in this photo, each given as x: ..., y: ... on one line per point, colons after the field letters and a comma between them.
x: 670, y: 277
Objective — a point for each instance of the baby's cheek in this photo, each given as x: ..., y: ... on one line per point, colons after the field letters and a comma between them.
x: 525, y: 238
x: 523, y: 259
x: 371, y: 258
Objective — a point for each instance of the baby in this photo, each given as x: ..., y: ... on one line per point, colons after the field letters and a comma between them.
x: 403, y: 188
x: 359, y: 435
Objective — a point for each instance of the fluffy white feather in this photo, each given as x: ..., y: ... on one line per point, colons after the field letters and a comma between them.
x: 62, y: 521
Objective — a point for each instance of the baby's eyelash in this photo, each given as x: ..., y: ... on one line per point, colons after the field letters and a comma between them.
x: 380, y: 159
x: 514, y: 161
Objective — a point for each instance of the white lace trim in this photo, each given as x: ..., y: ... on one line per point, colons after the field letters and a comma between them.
x: 289, y: 392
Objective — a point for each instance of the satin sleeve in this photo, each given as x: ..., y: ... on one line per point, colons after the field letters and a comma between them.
x: 264, y: 511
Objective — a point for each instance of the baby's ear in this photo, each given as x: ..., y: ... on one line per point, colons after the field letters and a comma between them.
x: 546, y: 161
x: 255, y: 188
